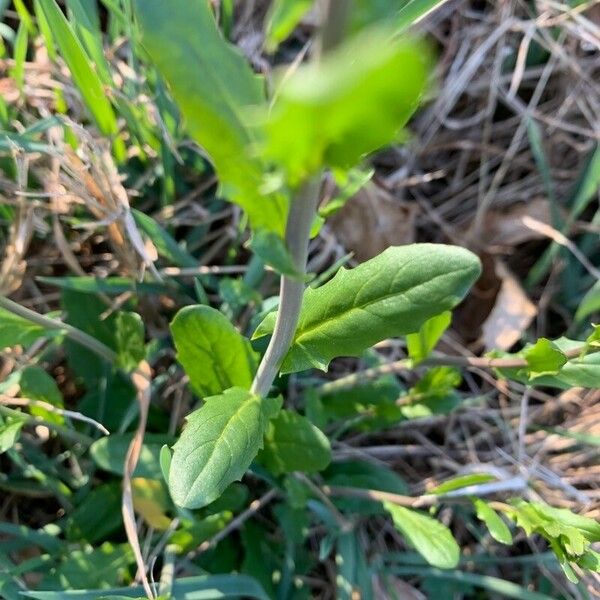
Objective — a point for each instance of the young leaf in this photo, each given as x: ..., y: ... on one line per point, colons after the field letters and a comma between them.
x: 84, y: 76
x: 36, y: 384
x: 352, y: 103
x: 544, y: 358
x: 213, y: 86
x: 213, y: 353
x: 217, y: 445
x: 390, y: 295
x: 293, y: 443
x: 429, y: 537
x: 496, y: 526
x: 421, y: 344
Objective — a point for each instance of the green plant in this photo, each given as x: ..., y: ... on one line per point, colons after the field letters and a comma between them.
x: 270, y: 152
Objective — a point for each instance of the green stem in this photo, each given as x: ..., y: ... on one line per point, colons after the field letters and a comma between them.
x: 55, y: 325
x: 299, y: 223
x: 297, y: 233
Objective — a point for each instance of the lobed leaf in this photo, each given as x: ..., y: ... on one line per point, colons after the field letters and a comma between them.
x: 213, y: 353
x: 217, y: 445
x: 390, y: 295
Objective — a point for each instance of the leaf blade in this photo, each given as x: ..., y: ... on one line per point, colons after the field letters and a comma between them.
x: 211, y: 453
x: 390, y: 295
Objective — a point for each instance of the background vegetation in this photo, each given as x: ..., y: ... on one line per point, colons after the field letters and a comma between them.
x: 111, y: 221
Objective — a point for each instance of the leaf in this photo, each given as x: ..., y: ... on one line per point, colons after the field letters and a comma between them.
x: 193, y: 533
x: 109, y: 454
x: 9, y: 434
x: 165, y: 245
x: 84, y: 76
x: 363, y: 475
x: 36, y: 384
x: 151, y: 502
x: 463, y: 481
x: 213, y: 353
x: 544, y: 358
x: 217, y: 445
x: 105, y: 285
x: 390, y: 295
x: 429, y: 537
x: 590, y: 303
x: 272, y: 250
x: 98, y: 516
x: 353, y: 578
x: 498, y: 587
x: 415, y: 10
x: 202, y: 587
x: 282, y: 18
x: 422, y: 343
x: 496, y: 526
x: 293, y: 443
x: 129, y: 338
x: 182, y: 38
x: 353, y: 102
x: 17, y: 331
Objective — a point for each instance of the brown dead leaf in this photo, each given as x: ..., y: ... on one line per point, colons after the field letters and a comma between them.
x: 511, y: 315
x: 372, y: 221
x: 506, y: 228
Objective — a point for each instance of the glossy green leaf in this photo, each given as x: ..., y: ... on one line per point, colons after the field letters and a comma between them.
x: 213, y: 353
x: 293, y: 443
x: 544, y: 358
x: 390, y: 295
x: 282, y: 18
x: 82, y: 72
x: 421, y: 344
x: 428, y: 536
x: 352, y: 103
x: 496, y: 526
x: 182, y: 38
x: 217, y: 445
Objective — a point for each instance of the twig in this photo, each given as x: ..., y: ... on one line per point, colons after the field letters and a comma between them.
x: 476, y: 362
x: 76, y: 416
x: 55, y: 325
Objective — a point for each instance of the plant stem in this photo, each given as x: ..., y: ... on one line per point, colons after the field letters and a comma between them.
x: 53, y: 324
x: 476, y: 362
x: 299, y: 222
x: 297, y: 232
